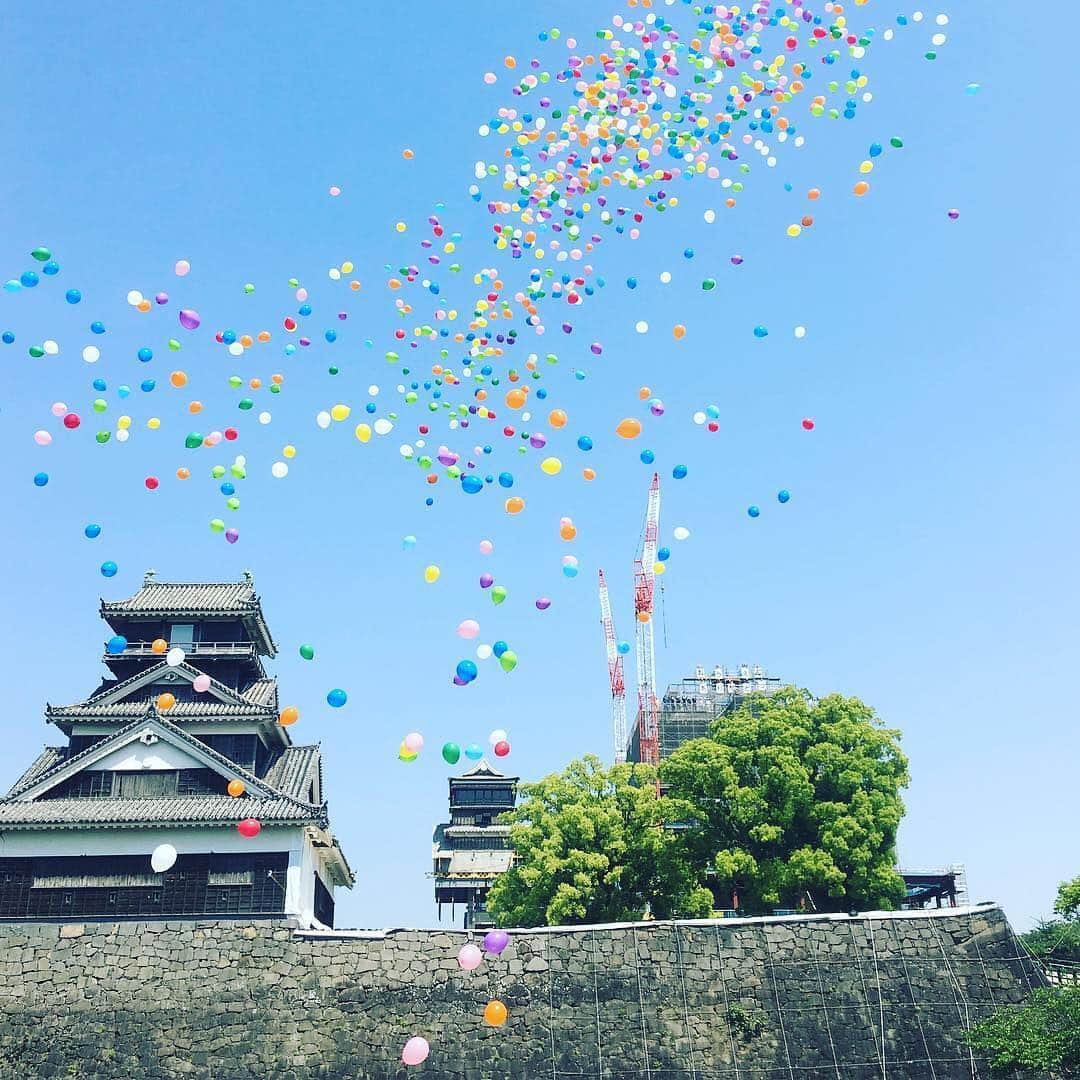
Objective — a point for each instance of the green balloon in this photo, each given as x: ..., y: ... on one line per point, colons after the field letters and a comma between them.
x: 217, y: 525
x: 508, y: 660
x: 193, y: 441
x: 37, y: 352
x: 307, y: 652
x: 451, y: 753
x: 102, y: 437
x: 498, y: 595
x: 246, y: 403
x: 42, y: 254
x: 174, y: 345
x: 709, y: 284
x: 249, y: 288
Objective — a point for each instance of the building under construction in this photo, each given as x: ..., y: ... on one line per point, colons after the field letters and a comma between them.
x: 690, y: 705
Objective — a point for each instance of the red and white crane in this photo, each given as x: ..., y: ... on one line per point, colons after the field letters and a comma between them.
x: 615, y: 674
x: 644, y: 586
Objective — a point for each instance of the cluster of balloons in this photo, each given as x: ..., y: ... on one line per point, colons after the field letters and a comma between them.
x: 410, y: 747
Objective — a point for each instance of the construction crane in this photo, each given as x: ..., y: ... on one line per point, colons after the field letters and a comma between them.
x: 644, y: 584
x: 615, y: 674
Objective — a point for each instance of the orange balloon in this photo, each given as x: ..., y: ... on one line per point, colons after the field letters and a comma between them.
x: 807, y: 221
x: 557, y: 418
x: 289, y: 715
x: 183, y: 474
x: 813, y: 193
x: 643, y: 616
x: 160, y: 645
x: 235, y: 788
x: 195, y: 407
x: 567, y: 532
x: 862, y: 187
x: 264, y: 335
x: 495, y: 1013
x: 245, y: 340
x: 515, y: 399
x: 165, y: 702
x: 144, y: 305
x: 255, y: 384
x: 515, y: 504
x: 629, y: 428
x: 644, y: 393
x: 589, y: 474
x: 178, y: 379
x: 679, y: 331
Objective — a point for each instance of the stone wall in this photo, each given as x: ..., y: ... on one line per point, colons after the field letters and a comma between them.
x: 798, y: 998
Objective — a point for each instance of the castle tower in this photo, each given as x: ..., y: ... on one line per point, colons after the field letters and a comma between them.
x: 178, y: 746
x: 471, y: 850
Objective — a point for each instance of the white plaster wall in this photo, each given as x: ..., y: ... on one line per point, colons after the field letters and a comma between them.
x: 136, y: 755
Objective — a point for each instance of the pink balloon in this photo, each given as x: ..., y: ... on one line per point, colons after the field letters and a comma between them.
x: 42, y: 438
x: 416, y: 1050
x: 182, y: 267
x: 414, y: 742
x: 468, y: 629
x: 59, y: 408
x: 301, y: 294
x: 335, y: 190
x: 201, y: 684
x: 470, y: 957
x: 486, y: 547
x: 189, y: 319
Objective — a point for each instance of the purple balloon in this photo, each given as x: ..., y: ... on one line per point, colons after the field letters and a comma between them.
x: 486, y: 581
x: 189, y: 319
x: 232, y: 535
x: 543, y: 603
x: 495, y: 941
x: 458, y: 681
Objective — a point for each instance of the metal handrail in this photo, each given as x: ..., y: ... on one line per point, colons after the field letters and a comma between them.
x: 191, y: 648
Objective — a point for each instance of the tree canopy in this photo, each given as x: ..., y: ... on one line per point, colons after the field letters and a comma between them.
x: 794, y: 799
x: 590, y: 846
x: 1041, y: 1035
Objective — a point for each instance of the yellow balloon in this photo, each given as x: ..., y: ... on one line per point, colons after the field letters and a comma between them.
x: 153, y: 423
x: 552, y: 466
x: 659, y: 568
x: 346, y: 267
x: 363, y: 432
x: 431, y: 574
x: 123, y: 422
x: 289, y: 451
x: 340, y: 412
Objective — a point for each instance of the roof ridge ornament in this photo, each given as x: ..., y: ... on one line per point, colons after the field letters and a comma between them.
x: 248, y: 577
x: 149, y: 577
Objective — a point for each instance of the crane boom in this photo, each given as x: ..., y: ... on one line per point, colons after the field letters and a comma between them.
x: 644, y: 585
x: 615, y: 674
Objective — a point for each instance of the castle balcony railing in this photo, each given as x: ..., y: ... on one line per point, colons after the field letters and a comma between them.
x: 140, y: 649
x: 1062, y: 972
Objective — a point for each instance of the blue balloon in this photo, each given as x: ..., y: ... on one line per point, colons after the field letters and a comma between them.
x: 305, y: 310
x: 145, y: 354
x: 97, y: 327
x: 73, y: 296
x: 124, y: 391
x: 331, y: 336
x: 147, y: 385
x: 570, y: 571
x: 663, y: 554
x: 623, y: 647
x: 760, y: 332
x: 228, y: 337
x: 471, y: 484
x: 41, y: 479
x: 336, y: 698
x: 466, y: 670
x: 408, y: 542
x: 228, y: 488
x: 754, y: 511
x: 584, y: 442
x: 51, y: 268
x: 679, y: 472
x: 499, y: 648
x: 783, y: 495
x: 631, y: 282
x: 8, y: 337
x: 99, y: 385
x: 92, y: 532
x: 116, y: 645
x: 506, y: 480
x: 28, y: 279
x: 108, y: 569
x: 474, y: 752
x: 648, y: 457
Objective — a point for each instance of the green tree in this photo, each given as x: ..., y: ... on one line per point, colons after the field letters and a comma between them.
x: 1042, y: 1035
x: 792, y: 799
x: 590, y: 846
x: 1068, y: 899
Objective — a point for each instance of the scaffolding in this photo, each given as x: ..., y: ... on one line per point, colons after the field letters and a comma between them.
x: 690, y: 705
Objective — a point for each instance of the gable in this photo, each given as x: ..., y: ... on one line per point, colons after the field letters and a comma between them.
x: 162, y: 677
x: 153, y: 743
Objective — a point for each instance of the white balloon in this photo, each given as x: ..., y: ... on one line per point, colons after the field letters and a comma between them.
x: 681, y: 532
x: 265, y: 418
x: 163, y: 856
x: 174, y: 657
x: 236, y: 349
x: 498, y: 735
x: 279, y: 470
x: 323, y: 419
x: 51, y: 348
x: 134, y: 298
x: 123, y: 435
x: 383, y: 426
x: 483, y: 652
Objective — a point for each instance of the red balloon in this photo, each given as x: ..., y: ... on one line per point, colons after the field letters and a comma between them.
x: 249, y: 827
x: 151, y: 483
x: 72, y: 421
x: 808, y: 424
x: 231, y: 433
x: 502, y: 748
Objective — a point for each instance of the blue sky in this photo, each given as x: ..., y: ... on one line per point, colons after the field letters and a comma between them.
x: 925, y: 563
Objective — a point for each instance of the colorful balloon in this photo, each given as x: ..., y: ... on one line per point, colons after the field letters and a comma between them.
x: 469, y: 957
x: 451, y: 753
x: 416, y: 1050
